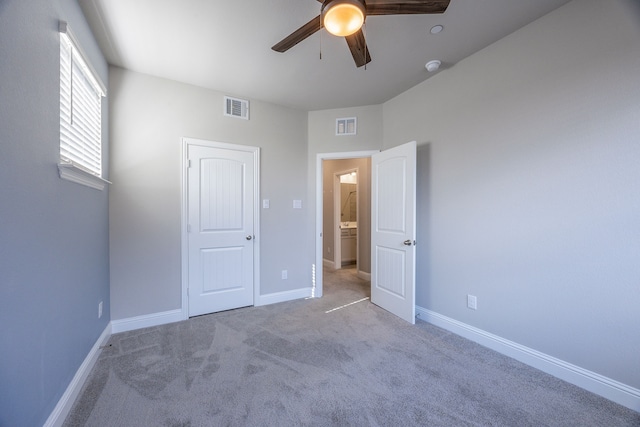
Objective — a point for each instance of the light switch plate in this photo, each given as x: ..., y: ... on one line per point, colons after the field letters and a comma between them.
x: 472, y: 302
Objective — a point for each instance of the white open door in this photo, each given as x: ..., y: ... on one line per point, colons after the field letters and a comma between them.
x: 393, y: 225
x: 221, y: 186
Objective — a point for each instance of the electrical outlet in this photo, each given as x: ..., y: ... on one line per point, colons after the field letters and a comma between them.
x: 99, y: 309
x: 472, y: 302
x: 285, y: 274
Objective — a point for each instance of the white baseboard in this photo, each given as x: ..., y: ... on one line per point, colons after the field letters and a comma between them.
x: 62, y: 409
x: 284, y: 296
x: 364, y: 275
x: 328, y: 263
x: 162, y: 318
x: 146, y: 321
x: 603, y: 386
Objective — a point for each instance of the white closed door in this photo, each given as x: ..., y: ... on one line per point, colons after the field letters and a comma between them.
x: 220, y: 229
x: 393, y: 224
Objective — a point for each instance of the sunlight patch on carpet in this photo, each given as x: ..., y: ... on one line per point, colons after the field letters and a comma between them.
x: 346, y: 305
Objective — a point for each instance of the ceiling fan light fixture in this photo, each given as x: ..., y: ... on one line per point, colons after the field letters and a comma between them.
x: 343, y: 17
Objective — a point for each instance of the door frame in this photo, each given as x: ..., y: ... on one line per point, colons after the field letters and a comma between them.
x: 317, y: 279
x: 184, y: 206
x: 337, y: 232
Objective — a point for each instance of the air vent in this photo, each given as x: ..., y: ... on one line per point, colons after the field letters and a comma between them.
x: 346, y: 126
x: 234, y: 107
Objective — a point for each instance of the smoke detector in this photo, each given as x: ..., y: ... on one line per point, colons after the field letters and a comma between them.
x: 432, y: 66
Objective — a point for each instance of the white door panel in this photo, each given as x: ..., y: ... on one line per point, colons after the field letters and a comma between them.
x: 221, y: 231
x: 393, y: 201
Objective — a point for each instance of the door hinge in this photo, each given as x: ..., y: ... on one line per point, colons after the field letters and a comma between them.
x: 188, y: 163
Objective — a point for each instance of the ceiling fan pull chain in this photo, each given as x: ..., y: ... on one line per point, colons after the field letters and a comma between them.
x: 366, y: 46
x: 320, y: 37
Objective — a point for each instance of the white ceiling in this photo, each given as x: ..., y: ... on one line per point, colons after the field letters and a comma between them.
x: 225, y: 45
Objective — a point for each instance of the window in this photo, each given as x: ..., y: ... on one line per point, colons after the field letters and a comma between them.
x: 81, y: 93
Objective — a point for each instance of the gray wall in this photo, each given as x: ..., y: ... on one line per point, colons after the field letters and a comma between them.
x: 529, y: 191
x: 330, y: 168
x: 149, y: 116
x: 322, y: 131
x: 54, y: 248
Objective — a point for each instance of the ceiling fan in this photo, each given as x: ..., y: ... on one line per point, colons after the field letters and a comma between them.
x: 345, y: 18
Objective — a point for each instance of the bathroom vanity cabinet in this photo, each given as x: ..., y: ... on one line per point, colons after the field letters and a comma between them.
x: 349, y: 239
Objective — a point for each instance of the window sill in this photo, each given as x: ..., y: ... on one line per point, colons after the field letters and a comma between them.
x: 73, y: 173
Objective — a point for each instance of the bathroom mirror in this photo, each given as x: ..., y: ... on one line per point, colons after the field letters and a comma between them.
x: 349, y: 198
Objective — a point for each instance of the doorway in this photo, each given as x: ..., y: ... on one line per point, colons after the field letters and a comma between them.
x: 328, y: 213
x: 347, y: 212
x: 392, y: 226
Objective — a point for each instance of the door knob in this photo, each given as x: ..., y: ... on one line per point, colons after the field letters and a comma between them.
x: 249, y: 237
x: 407, y: 242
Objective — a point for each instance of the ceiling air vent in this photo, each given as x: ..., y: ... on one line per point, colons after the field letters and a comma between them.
x: 234, y: 107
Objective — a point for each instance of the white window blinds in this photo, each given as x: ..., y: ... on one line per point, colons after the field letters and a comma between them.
x: 80, y: 107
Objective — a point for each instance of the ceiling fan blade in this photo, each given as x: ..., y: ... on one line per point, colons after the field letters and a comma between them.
x: 298, y: 35
x: 406, y: 7
x: 358, y: 47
